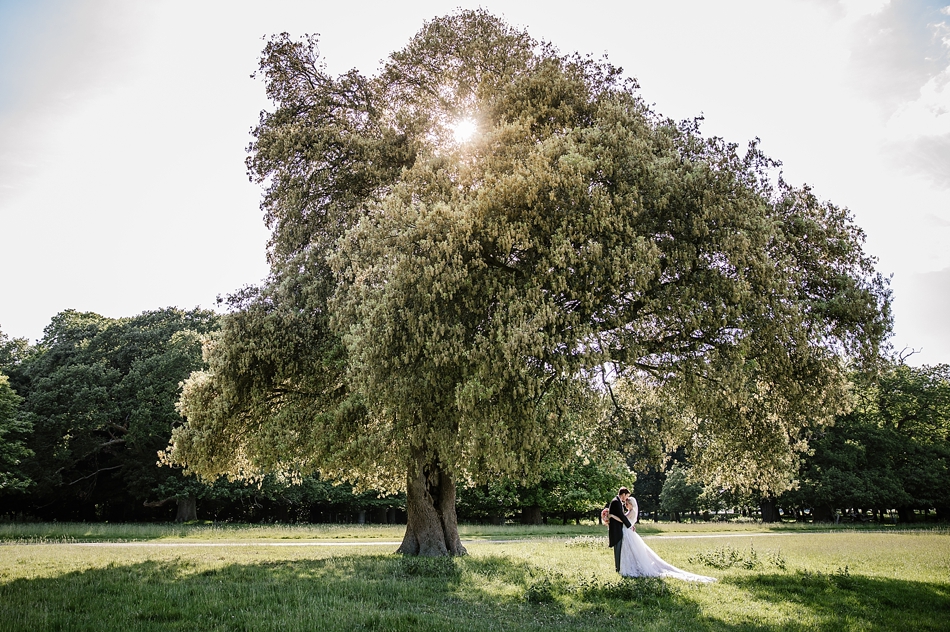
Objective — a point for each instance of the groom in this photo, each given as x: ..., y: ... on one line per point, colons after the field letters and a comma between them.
x: 617, y: 522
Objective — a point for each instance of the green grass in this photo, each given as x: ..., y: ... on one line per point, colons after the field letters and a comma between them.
x: 847, y: 580
x: 65, y: 532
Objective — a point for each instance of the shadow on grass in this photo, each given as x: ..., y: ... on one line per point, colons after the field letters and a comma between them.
x: 387, y: 592
x: 363, y: 592
x: 846, y: 601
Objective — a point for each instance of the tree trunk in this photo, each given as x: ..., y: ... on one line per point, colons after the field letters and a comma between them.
x: 905, y: 515
x: 431, y: 525
x: 769, y: 510
x: 531, y: 515
x: 187, y: 509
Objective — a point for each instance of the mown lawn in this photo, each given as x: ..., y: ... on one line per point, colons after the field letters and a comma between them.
x: 845, y: 580
x: 66, y: 532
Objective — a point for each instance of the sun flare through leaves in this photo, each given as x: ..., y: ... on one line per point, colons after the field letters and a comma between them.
x: 464, y: 130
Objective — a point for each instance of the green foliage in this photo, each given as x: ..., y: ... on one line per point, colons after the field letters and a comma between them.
x: 840, y: 578
x: 12, y: 351
x: 729, y: 557
x: 892, y: 450
x: 271, y: 499
x: 569, y: 490
x: 540, y: 591
x: 13, y: 433
x: 467, y: 310
x: 100, y: 396
x: 679, y: 493
x: 580, y: 486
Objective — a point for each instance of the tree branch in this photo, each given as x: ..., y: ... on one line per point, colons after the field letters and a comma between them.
x: 105, y: 469
x: 159, y: 503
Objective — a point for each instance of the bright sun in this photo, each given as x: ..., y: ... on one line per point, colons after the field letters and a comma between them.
x: 463, y: 130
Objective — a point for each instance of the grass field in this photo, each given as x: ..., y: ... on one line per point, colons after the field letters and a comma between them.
x: 65, y: 532
x: 154, y: 577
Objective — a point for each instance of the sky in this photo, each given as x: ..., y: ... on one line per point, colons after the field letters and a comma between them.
x: 124, y: 127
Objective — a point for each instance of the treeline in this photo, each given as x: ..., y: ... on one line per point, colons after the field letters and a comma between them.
x: 85, y: 412
x: 888, y: 459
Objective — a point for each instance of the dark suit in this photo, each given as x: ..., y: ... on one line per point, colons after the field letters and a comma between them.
x: 615, y: 533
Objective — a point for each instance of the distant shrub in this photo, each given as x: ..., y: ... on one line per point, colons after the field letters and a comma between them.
x: 540, y: 591
x: 587, y: 542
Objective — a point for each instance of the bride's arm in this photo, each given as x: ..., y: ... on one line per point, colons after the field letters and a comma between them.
x: 631, y: 514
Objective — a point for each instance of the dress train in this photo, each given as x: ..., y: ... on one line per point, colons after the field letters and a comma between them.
x: 639, y: 560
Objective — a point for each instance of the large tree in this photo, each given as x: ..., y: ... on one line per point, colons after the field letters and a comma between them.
x: 445, y: 307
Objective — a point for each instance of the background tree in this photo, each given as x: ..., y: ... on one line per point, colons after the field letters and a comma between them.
x: 852, y: 466
x: 14, y: 429
x: 578, y: 488
x: 274, y: 499
x: 100, y: 394
x: 891, y: 451
x: 914, y: 403
x: 443, y: 309
x: 647, y: 491
x: 12, y: 351
x: 13, y: 433
x: 679, y: 494
x: 574, y: 490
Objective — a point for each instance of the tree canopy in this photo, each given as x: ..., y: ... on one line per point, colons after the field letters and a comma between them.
x: 98, y: 396
x: 891, y: 451
x: 443, y: 309
x: 13, y: 433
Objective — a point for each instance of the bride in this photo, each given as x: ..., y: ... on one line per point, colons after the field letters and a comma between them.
x: 639, y: 560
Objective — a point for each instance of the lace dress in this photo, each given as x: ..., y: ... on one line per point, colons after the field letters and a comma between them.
x: 639, y: 560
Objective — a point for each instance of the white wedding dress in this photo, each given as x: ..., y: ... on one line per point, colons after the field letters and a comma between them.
x: 639, y: 560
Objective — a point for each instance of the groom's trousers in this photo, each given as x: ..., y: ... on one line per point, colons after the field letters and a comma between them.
x: 617, y: 548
